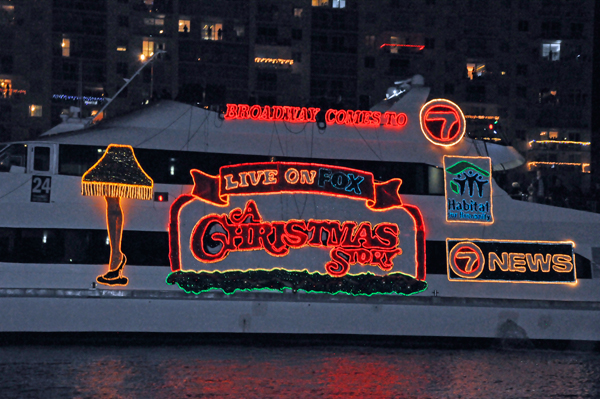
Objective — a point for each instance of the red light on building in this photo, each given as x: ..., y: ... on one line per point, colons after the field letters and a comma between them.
x: 417, y: 46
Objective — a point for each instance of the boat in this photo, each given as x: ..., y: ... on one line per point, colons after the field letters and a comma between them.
x: 288, y: 220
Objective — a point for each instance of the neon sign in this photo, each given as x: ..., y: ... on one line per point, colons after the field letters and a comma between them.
x: 247, y: 231
x: 273, y: 113
x: 278, y: 113
x: 215, y: 236
x: 116, y: 175
x: 442, y: 122
x: 514, y: 261
x: 365, y: 118
x: 468, y: 187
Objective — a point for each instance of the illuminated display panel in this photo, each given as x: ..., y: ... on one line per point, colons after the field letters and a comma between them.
x: 216, y: 236
x: 442, y: 122
x: 510, y: 261
x: 468, y: 189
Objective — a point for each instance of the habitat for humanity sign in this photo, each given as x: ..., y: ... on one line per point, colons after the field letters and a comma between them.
x: 468, y: 186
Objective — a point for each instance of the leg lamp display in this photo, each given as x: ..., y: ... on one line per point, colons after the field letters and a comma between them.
x: 116, y: 175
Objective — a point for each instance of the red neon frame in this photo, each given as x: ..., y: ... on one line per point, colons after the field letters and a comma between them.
x: 379, y: 196
x: 185, y: 199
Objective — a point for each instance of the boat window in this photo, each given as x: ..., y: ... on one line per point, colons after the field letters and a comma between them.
x: 91, y: 247
x: 75, y: 160
x: 41, y: 159
x: 173, y: 167
x: 80, y: 246
x: 13, y: 155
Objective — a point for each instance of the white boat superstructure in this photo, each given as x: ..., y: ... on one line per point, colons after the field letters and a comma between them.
x: 541, y: 262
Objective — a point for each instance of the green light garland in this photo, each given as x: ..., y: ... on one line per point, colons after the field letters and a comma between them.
x: 279, y: 280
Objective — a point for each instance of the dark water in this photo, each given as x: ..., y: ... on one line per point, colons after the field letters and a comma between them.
x: 230, y: 370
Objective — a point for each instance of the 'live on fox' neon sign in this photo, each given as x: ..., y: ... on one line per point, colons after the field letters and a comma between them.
x: 277, y: 113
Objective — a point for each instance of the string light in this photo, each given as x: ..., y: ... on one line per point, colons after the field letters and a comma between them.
x: 584, y: 143
x: 230, y: 281
x: 584, y: 166
x: 482, y: 117
x: 278, y: 61
x: 417, y: 46
x: 86, y: 99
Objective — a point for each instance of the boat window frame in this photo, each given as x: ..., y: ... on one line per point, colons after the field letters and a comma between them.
x: 31, y: 166
x: 5, y: 150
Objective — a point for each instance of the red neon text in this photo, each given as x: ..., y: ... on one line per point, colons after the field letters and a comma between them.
x: 274, y: 113
x: 215, y: 236
x: 278, y: 113
x: 365, y: 118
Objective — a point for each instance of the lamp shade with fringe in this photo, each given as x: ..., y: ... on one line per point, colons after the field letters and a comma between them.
x: 117, y: 174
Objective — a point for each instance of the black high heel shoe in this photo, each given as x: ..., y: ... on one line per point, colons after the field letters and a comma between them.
x: 114, y: 277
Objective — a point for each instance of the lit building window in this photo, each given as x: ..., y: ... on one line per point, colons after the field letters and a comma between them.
x: 320, y: 3
x: 5, y: 88
x: 66, y: 47
x: 121, y: 48
x: 339, y: 4
x: 148, y: 48
x: 475, y: 70
x: 212, y: 31
x: 7, y: 14
x: 35, y: 110
x: 551, y: 50
x: 547, y: 96
x: 184, y: 25
x: 297, y: 12
x: 553, y: 135
x: 394, y: 40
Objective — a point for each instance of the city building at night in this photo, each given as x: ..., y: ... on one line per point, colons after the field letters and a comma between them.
x: 521, y: 70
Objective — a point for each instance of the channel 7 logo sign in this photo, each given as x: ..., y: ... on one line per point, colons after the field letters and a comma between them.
x: 514, y: 261
x: 468, y: 186
x: 442, y: 122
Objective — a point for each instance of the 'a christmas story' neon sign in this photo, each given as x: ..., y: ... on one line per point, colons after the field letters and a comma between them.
x: 215, y: 236
x: 247, y: 231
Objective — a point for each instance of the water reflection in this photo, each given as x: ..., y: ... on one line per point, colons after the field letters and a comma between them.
x: 272, y: 372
